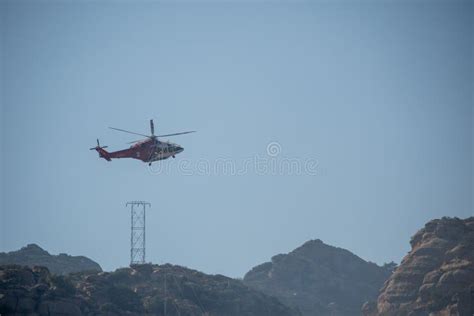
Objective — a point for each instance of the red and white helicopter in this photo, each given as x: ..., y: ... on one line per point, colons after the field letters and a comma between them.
x: 147, y: 150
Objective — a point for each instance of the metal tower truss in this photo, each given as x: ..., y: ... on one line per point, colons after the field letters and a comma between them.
x: 137, y: 237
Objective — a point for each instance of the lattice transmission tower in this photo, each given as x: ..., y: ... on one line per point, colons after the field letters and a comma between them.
x: 137, y: 237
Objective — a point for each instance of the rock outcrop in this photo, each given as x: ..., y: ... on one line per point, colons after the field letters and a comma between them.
x: 33, y: 255
x: 320, y: 279
x: 140, y: 290
x: 436, y: 278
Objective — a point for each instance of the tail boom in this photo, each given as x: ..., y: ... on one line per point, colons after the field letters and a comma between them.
x: 103, y: 153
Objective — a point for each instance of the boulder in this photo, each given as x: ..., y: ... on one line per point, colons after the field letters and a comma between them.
x: 436, y: 278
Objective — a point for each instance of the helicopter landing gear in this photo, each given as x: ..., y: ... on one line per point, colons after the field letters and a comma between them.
x: 174, y: 156
x: 149, y: 164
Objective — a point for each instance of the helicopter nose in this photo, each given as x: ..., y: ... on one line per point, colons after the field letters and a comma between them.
x: 179, y: 149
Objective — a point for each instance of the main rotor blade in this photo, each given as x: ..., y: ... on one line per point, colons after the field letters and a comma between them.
x: 122, y: 130
x: 166, y: 135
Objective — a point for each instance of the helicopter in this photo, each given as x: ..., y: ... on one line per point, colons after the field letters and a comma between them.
x: 147, y: 150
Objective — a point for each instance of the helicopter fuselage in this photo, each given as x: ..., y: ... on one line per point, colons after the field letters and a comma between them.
x: 148, y: 150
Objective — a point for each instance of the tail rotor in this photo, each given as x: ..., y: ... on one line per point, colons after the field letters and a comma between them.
x: 98, y: 146
x: 102, y: 152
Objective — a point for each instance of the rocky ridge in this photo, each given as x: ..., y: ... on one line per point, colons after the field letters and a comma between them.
x: 320, y: 279
x: 33, y: 255
x: 139, y: 290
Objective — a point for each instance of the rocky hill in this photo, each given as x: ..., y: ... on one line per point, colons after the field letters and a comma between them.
x: 320, y: 279
x: 33, y: 255
x: 436, y: 277
x: 144, y: 289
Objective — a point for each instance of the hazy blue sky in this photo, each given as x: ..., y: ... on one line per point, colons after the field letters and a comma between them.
x: 380, y: 94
